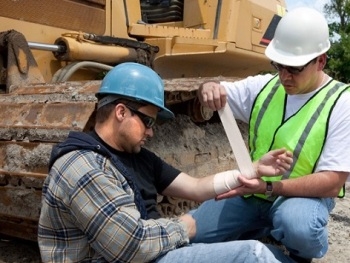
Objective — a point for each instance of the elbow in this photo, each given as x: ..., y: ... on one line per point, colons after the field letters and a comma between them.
x: 335, y: 192
x: 198, y: 199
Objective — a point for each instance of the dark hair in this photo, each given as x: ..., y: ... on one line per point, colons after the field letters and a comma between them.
x: 103, y: 113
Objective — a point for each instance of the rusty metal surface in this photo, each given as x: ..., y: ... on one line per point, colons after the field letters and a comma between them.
x: 18, y: 227
x: 55, y: 13
x: 179, y: 90
x: 46, y: 112
x: 19, y: 211
x: 32, y: 120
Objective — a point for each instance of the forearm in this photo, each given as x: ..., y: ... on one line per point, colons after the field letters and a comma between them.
x: 116, y: 224
x: 321, y: 184
x: 204, y: 189
x: 153, y: 237
x: 145, y: 239
x: 221, y: 183
x: 196, y: 189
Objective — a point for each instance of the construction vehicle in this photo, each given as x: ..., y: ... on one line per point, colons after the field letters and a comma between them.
x: 55, y: 52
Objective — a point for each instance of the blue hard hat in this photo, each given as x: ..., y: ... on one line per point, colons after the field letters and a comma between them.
x: 137, y: 82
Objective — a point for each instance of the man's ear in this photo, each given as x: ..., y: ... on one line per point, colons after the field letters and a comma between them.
x: 322, y: 60
x: 119, y: 111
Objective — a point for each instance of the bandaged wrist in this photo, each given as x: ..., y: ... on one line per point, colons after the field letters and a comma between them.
x: 226, y: 181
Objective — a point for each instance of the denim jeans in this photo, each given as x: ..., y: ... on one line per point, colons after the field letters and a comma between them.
x: 298, y: 223
x: 249, y: 251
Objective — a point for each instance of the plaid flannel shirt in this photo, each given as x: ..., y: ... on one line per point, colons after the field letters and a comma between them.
x: 89, y: 214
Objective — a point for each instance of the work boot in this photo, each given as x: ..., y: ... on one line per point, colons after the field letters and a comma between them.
x: 300, y: 259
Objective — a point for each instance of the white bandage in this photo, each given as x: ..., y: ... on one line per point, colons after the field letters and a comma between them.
x: 226, y: 181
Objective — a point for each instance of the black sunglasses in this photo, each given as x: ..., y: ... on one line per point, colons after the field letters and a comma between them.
x: 291, y: 70
x: 148, y: 121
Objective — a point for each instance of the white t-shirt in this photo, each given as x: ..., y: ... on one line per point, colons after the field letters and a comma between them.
x: 336, y: 152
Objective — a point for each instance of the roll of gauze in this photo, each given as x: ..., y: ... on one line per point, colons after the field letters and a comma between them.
x: 226, y: 181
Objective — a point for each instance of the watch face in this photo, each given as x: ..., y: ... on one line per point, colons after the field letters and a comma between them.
x: 269, y: 189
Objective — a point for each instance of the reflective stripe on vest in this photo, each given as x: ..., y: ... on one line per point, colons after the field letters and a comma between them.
x: 304, y: 133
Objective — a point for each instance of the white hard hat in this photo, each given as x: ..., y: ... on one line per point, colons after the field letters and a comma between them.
x: 301, y: 35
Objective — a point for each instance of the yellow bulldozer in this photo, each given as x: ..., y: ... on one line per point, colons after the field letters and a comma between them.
x: 54, y: 53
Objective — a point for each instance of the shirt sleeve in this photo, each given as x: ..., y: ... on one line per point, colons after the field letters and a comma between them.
x: 336, y: 152
x: 168, y: 174
x: 102, y: 205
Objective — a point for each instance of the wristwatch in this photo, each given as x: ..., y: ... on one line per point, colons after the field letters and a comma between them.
x: 269, y: 189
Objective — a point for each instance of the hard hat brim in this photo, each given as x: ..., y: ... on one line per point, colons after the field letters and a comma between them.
x: 165, y: 114
x: 289, y: 59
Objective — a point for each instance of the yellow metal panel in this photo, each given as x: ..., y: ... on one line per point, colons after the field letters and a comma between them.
x: 133, y: 11
x: 118, y: 18
x: 199, y: 13
x: 178, y: 46
x: 229, y: 23
x: 165, y: 31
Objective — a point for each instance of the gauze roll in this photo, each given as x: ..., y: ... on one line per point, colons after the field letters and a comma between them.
x: 226, y: 181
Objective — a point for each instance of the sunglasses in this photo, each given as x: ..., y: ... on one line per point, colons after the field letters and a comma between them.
x: 291, y: 70
x: 148, y: 121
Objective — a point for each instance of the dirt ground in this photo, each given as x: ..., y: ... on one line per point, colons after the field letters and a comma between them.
x: 339, y: 232
x: 199, y: 149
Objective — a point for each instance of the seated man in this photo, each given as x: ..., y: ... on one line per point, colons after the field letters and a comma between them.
x: 100, y: 197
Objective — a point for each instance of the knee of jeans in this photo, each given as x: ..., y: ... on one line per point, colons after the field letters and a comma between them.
x: 265, y: 254
x: 259, y: 249
x: 283, y: 222
x: 309, y: 251
x: 300, y: 229
x: 307, y: 239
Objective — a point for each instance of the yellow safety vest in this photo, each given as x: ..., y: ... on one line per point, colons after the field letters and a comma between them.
x: 303, y: 133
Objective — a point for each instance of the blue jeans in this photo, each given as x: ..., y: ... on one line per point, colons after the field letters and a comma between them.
x: 249, y: 251
x: 298, y: 223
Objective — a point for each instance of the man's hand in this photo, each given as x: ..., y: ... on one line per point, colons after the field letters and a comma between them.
x: 273, y: 163
x: 248, y: 186
x: 190, y: 223
x: 212, y: 95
